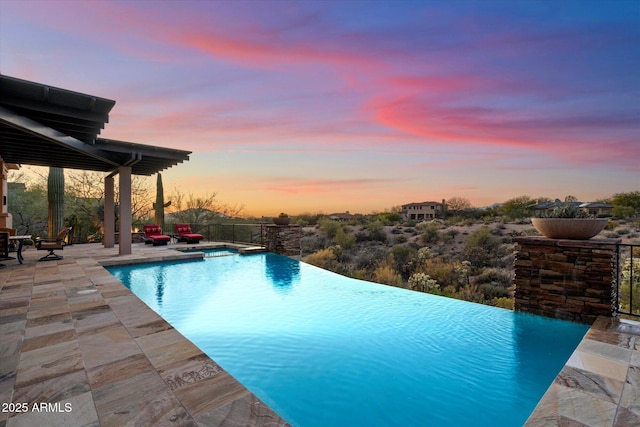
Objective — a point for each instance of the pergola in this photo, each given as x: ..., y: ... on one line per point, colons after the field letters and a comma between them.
x: 43, y: 125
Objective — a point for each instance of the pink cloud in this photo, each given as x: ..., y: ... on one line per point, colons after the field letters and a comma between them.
x: 577, y: 139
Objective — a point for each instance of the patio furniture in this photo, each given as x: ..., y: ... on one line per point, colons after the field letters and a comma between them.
x: 184, y: 234
x: 52, y: 245
x: 153, y: 235
x: 20, y: 239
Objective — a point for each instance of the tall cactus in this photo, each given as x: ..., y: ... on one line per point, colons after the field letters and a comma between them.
x: 159, y: 205
x: 55, y: 198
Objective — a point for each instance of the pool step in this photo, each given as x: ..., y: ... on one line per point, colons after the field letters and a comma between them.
x: 252, y: 250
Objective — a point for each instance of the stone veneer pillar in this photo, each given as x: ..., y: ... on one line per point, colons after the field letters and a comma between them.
x: 566, y: 279
x: 283, y: 239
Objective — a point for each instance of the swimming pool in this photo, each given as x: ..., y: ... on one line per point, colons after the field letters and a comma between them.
x: 322, y: 349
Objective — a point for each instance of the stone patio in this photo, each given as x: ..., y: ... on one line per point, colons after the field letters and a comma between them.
x: 79, y: 342
x: 78, y: 348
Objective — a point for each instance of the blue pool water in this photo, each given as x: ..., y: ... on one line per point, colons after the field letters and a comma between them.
x: 208, y: 253
x: 325, y: 350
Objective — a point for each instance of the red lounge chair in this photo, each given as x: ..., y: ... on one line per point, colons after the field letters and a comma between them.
x: 153, y: 234
x: 185, y: 235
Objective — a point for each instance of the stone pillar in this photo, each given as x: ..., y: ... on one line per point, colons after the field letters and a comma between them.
x: 283, y: 239
x: 565, y: 279
x: 108, y: 240
x: 125, y: 216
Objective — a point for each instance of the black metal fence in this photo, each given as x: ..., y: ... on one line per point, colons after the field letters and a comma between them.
x: 252, y: 234
x: 628, y: 279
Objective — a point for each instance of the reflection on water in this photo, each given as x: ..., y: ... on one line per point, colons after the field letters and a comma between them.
x: 160, y: 280
x: 282, y: 271
x: 537, y: 339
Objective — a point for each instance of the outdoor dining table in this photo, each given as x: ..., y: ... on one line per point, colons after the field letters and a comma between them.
x: 20, y: 239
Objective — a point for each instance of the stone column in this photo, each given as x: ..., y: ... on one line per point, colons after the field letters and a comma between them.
x: 283, y: 239
x: 108, y: 240
x: 124, y: 235
x: 565, y: 279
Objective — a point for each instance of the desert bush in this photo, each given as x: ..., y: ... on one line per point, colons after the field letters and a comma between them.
x: 345, y: 239
x: 467, y: 293
x: 402, y: 260
x: 481, y: 248
x: 368, y: 258
x: 376, y: 231
x: 309, y: 244
x: 430, y: 233
x: 490, y: 291
x: 329, y: 227
x: 503, y: 302
x: 386, y: 274
x: 400, y: 239
x: 324, y: 258
x: 493, y: 276
x: 444, y: 272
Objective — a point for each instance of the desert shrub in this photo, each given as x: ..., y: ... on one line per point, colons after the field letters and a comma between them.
x: 490, y: 291
x: 345, y: 239
x: 324, y: 258
x: 329, y: 227
x: 402, y: 258
x: 369, y: 257
x: 430, y: 233
x: 309, y: 244
x: 445, y: 238
x: 385, y: 274
x: 611, y: 225
x: 503, y: 302
x: 374, y: 232
x: 481, y: 248
x: 493, y: 276
x: 400, y: 239
x: 467, y: 293
x: 444, y: 272
x: 623, y: 231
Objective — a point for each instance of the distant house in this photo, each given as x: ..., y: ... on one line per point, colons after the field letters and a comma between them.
x: 592, y: 208
x: 341, y: 216
x: 598, y: 209
x: 423, y: 210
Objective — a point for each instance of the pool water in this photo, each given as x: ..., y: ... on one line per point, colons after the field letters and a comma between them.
x: 325, y: 350
x: 212, y: 252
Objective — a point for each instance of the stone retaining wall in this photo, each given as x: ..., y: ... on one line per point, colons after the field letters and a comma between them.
x: 565, y: 279
x: 284, y: 239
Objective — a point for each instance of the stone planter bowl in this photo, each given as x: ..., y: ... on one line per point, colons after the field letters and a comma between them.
x: 569, y: 228
x: 282, y: 220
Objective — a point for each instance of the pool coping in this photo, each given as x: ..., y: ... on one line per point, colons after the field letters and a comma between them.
x: 72, y: 334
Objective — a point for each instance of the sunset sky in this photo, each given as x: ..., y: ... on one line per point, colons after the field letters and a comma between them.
x: 327, y: 106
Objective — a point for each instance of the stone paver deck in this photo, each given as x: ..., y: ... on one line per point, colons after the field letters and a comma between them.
x: 77, y: 348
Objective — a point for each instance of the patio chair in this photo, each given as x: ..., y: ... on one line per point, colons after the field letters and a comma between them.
x: 184, y: 234
x: 52, y: 245
x: 153, y: 235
